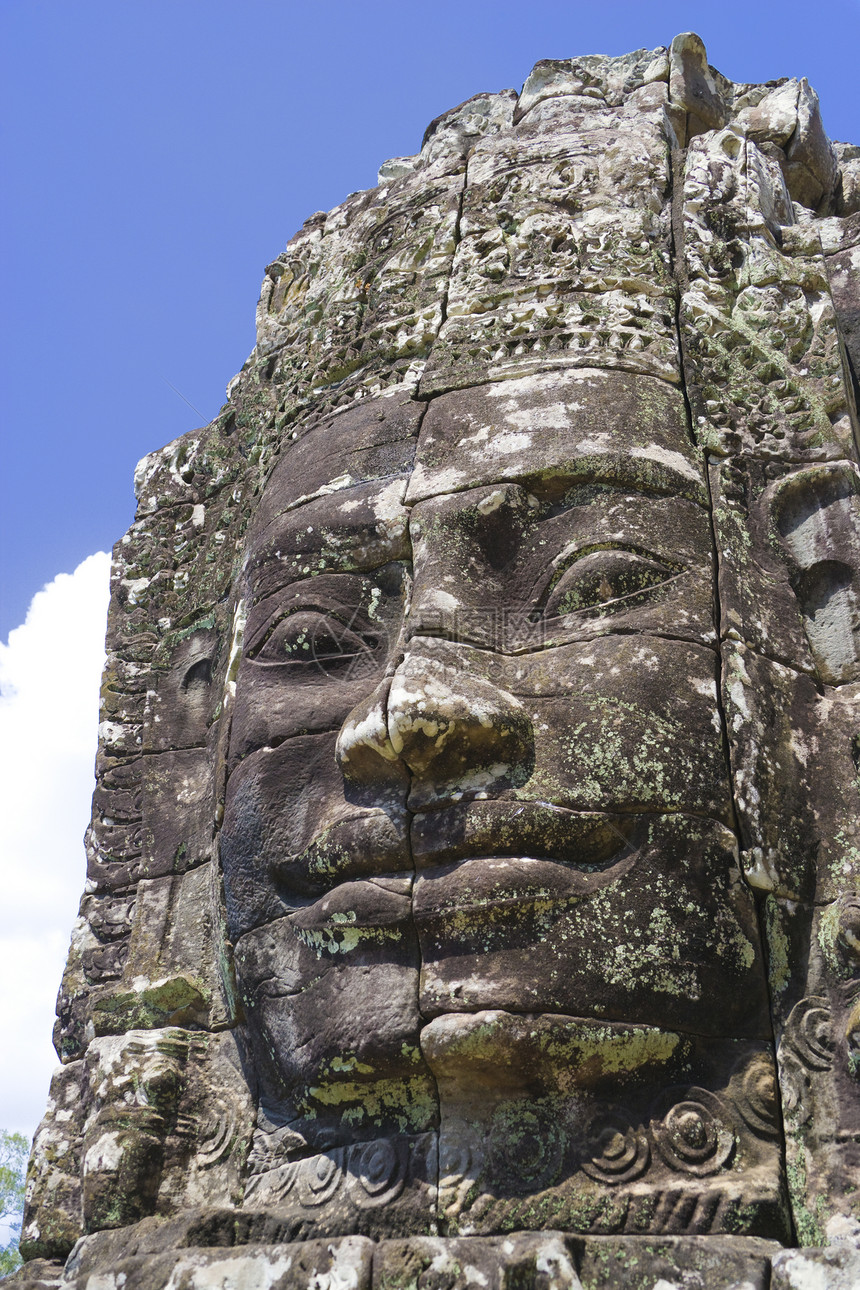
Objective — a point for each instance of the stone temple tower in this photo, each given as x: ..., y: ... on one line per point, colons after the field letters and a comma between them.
x: 472, y: 879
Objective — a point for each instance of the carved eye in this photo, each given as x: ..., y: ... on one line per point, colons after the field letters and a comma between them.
x: 602, y: 577
x: 311, y: 637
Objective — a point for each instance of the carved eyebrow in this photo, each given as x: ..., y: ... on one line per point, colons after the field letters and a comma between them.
x: 323, y: 553
x: 310, y: 581
x: 336, y: 493
x: 336, y: 485
x: 340, y: 594
x: 669, y: 475
x: 374, y: 522
x: 355, y: 550
x: 653, y: 471
x: 579, y: 550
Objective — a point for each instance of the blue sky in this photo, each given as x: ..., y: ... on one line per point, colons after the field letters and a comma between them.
x: 158, y: 153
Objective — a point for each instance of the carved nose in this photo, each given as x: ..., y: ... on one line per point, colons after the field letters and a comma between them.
x: 363, y: 749
x: 458, y: 734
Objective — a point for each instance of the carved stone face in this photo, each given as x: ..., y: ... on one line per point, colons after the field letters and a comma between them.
x: 522, y: 757
x: 476, y: 850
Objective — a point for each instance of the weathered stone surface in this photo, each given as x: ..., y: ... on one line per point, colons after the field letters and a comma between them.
x: 814, y: 978
x: 385, y: 1187
x: 472, y: 877
x: 544, y: 936
x: 589, y: 426
x: 551, y: 270
x: 150, y: 1122
x: 763, y: 359
x: 569, y: 1134
x: 476, y: 1264
x: 842, y: 248
x: 793, y: 749
x: 697, y: 91
x: 835, y: 1269
x: 638, y: 1263
x: 302, y: 1266
x: 37, y: 1274
x: 215, y: 1250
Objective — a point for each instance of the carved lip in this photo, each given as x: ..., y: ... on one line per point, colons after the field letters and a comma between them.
x: 589, y: 840
x: 497, y: 883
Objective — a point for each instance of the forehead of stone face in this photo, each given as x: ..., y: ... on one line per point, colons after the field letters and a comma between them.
x: 372, y: 440
x: 557, y: 428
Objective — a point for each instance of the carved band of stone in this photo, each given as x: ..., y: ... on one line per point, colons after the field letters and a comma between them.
x: 794, y: 1080
x: 808, y: 1033
x: 614, y: 1149
x: 694, y: 1137
x: 680, y: 1210
x: 455, y: 1155
x: 272, y: 1186
x: 373, y: 1173
x: 460, y: 1161
x: 847, y: 913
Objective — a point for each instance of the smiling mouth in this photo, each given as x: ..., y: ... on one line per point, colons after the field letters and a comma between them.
x: 530, y: 907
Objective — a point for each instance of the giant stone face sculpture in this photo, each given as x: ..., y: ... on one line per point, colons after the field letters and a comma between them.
x: 472, y: 877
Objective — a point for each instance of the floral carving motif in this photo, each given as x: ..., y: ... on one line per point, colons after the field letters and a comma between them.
x: 758, y: 1097
x: 460, y: 1160
x: 215, y: 1134
x: 693, y: 1136
x: 376, y: 1173
x: 526, y: 1149
x: 320, y: 1177
x: 617, y: 1150
x: 808, y: 1034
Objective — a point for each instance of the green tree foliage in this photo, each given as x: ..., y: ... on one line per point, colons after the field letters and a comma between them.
x: 14, y: 1149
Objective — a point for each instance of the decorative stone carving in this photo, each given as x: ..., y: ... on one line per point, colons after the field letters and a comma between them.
x: 472, y: 888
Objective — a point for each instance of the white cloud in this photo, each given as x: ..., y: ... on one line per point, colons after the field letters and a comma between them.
x: 49, y: 683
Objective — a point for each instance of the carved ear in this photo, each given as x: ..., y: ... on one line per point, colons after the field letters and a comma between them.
x: 817, y: 513
x: 198, y: 677
x: 181, y: 701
